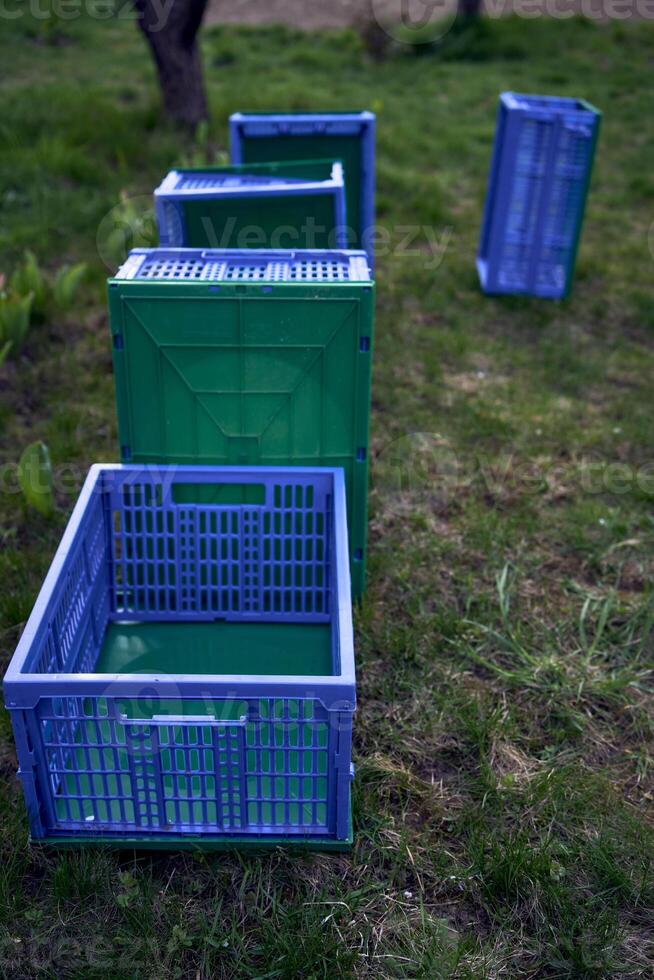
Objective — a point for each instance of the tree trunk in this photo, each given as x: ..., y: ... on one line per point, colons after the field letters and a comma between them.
x: 469, y: 9
x: 170, y: 29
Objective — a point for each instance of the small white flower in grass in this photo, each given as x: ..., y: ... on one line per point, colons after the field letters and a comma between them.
x: 481, y: 375
x: 408, y: 894
x: 539, y: 432
x: 602, y: 521
x: 617, y: 431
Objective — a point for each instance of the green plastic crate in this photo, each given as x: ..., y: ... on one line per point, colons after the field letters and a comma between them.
x: 347, y: 136
x: 269, y: 205
x: 248, y: 358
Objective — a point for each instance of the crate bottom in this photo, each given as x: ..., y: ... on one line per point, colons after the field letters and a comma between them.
x: 555, y: 294
x: 205, y: 844
x: 217, y: 648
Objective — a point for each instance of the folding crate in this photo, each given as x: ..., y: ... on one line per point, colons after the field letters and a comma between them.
x: 539, y: 179
x: 346, y: 136
x: 186, y: 677
x: 247, y: 358
x: 269, y: 205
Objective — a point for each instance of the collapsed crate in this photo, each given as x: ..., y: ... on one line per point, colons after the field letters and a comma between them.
x: 247, y: 358
x: 347, y: 136
x: 538, y: 186
x: 269, y: 205
x: 187, y: 674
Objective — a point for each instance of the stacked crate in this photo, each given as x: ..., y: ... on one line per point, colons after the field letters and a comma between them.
x: 248, y: 358
x: 187, y: 676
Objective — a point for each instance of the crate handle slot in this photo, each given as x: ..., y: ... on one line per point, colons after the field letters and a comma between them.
x: 580, y: 129
x: 183, y: 721
x: 209, y: 255
x: 224, y: 494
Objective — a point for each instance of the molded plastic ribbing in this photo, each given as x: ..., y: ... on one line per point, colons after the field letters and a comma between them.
x: 192, y: 265
x: 267, y: 772
x: 155, y: 756
x: 540, y: 172
x: 189, y: 561
x: 232, y: 180
x: 219, y: 182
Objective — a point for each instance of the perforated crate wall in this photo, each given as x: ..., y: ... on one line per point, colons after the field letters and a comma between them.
x: 292, y: 205
x: 538, y: 186
x: 346, y: 136
x: 167, y: 757
x: 248, y: 358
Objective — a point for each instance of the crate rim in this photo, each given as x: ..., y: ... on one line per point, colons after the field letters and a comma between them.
x: 24, y: 690
x: 513, y: 100
x: 358, y: 260
x: 282, y: 187
x: 306, y: 115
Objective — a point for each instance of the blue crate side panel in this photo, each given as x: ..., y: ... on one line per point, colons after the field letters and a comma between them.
x: 240, y: 563
x: 539, y: 178
x: 280, y: 769
x: 171, y: 226
x: 499, y: 148
x: 222, y: 756
x: 244, y: 126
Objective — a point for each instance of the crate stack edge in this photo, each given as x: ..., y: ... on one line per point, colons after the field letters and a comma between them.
x: 249, y: 358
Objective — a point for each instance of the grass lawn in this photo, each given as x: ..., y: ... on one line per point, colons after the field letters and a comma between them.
x: 504, y: 740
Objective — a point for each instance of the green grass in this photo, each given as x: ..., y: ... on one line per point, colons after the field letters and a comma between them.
x: 504, y: 740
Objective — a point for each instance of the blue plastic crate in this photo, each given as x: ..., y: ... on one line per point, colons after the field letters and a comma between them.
x: 214, y: 207
x: 538, y: 186
x: 347, y: 136
x: 187, y: 673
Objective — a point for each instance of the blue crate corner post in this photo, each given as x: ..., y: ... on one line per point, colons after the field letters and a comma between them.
x: 538, y: 186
